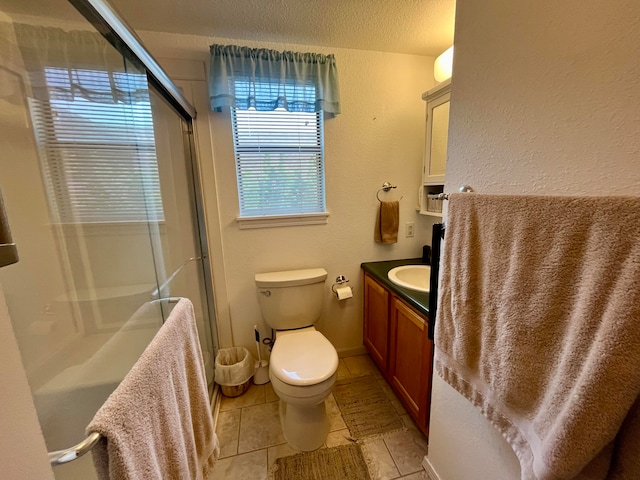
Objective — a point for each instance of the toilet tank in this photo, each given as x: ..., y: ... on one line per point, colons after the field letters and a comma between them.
x: 291, y: 299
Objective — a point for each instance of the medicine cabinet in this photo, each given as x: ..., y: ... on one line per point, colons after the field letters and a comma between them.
x: 435, y: 151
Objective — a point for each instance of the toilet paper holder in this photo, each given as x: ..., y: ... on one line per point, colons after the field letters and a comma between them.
x: 340, y: 280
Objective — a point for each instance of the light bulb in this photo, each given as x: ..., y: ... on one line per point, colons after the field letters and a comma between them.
x: 443, y: 65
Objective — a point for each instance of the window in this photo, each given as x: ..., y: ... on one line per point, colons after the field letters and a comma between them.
x: 277, y: 101
x: 97, y: 146
x: 279, y: 162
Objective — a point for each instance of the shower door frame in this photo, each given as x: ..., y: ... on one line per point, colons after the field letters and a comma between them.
x: 118, y: 32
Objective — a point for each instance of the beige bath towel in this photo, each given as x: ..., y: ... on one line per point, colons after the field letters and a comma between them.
x: 539, y: 326
x: 387, y: 223
x: 157, y: 424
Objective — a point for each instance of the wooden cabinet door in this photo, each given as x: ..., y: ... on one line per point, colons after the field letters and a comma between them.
x: 376, y: 322
x: 411, y: 360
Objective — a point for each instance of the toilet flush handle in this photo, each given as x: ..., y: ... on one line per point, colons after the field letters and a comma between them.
x: 266, y: 293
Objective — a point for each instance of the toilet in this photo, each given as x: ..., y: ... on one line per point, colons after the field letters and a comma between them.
x: 303, y: 362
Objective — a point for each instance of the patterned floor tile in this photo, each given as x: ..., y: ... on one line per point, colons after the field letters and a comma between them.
x: 228, y: 430
x: 407, y: 451
x: 260, y: 427
x: 255, y: 395
x: 362, y: 365
x: 249, y: 466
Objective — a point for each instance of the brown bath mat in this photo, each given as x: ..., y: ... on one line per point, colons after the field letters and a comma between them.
x: 365, y: 408
x: 344, y: 462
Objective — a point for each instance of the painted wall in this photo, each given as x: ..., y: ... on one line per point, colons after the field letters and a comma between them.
x: 544, y: 100
x: 379, y: 137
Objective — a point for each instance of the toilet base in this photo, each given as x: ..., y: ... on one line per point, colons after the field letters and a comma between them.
x: 305, y: 428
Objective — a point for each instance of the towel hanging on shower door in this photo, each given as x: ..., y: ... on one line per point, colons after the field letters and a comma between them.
x: 157, y: 424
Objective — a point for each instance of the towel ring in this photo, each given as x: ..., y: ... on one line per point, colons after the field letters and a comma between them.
x: 386, y: 186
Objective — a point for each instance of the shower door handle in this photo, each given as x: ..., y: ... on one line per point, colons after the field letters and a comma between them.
x: 8, y: 250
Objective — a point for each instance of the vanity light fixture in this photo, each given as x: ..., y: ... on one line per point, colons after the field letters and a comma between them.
x: 443, y: 65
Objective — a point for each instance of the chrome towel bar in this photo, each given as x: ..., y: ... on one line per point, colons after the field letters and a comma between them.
x: 166, y: 299
x: 60, y: 457
x: 462, y: 189
x: 158, y: 291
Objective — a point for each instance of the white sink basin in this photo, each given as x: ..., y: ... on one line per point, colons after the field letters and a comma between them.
x: 415, y: 277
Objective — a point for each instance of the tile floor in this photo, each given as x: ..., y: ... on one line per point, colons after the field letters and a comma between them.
x: 251, y: 439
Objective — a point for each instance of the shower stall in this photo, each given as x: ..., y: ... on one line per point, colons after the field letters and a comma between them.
x: 102, y: 229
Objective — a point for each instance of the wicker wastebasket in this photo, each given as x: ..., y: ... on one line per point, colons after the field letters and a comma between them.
x: 234, y: 368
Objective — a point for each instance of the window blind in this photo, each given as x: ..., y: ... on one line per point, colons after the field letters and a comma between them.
x: 98, y: 154
x: 279, y: 162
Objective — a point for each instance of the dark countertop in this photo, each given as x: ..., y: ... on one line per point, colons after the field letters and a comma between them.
x: 379, y: 270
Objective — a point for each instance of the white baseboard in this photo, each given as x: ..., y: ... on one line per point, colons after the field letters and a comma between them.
x: 351, y: 351
x: 431, y: 472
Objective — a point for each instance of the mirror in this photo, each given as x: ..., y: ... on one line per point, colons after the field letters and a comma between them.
x: 437, y: 134
x: 439, y: 137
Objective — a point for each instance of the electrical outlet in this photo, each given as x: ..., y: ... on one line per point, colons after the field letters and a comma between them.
x: 408, y: 232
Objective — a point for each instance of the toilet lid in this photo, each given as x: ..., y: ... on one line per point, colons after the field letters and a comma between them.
x: 303, y: 358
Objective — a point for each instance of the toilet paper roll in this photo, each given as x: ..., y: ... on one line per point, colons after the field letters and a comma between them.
x: 344, y: 292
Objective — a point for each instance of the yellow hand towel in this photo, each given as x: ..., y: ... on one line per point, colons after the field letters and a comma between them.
x: 387, y: 223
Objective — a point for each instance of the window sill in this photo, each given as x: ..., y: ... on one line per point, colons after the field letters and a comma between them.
x: 283, y: 220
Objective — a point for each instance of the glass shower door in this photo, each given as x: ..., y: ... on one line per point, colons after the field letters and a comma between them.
x: 97, y: 181
x: 176, y: 241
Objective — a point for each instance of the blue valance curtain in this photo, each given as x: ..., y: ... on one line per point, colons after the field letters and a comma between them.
x: 243, y: 77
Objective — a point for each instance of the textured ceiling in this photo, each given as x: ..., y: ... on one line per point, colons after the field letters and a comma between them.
x: 423, y: 27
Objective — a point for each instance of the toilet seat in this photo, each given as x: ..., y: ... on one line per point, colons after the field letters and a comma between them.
x: 303, y: 357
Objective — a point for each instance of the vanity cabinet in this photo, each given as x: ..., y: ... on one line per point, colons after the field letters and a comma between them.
x: 410, y: 359
x: 376, y: 324
x: 396, y: 336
